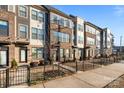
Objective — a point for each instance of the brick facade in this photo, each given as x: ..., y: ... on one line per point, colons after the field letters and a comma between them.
x: 13, y: 44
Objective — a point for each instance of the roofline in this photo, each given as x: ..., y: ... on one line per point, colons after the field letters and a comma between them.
x: 93, y: 25
x: 54, y: 10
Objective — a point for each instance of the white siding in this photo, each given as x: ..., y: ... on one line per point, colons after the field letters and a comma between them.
x: 80, y: 33
x: 36, y: 24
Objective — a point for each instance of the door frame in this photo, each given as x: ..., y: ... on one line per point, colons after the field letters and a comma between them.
x: 23, y: 48
x: 5, y: 48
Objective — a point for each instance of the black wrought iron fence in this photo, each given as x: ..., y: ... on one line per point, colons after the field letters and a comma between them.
x: 2, y: 78
x: 26, y: 74
x: 11, y: 77
x: 18, y: 76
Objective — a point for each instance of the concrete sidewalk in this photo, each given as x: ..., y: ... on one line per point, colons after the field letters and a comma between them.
x: 96, y: 78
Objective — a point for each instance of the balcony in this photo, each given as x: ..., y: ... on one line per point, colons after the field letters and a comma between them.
x: 5, y: 40
x: 90, y: 46
x: 61, y: 45
x: 57, y: 27
x: 21, y: 41
x: 90, y: 35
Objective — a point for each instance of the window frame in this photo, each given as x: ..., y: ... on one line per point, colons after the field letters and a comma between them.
x: 25, y: 49
x: 37, y: 34
x: 37, y: 54
x: 26, y: 31
x: 25, y: 12
x: 7, y: 29
x: 33, y: 16
x: 43, y: 18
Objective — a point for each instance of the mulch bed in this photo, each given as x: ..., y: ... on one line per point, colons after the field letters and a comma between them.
x: 118, y: 83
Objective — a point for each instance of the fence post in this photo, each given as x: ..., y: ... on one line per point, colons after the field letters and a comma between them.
x: 7, y: 77
x: 76, y: 66
x: 93, y: 63
x: 101, y: 61
x: 83, y: 66
x: 28, y: 75
x: 44, y: 74
x: 58, y: 69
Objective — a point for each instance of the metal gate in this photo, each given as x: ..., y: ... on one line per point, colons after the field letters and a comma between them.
x: 10, y: 77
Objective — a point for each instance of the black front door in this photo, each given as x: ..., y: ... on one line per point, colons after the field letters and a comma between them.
x: 23, y: 55
x: 4, y: 56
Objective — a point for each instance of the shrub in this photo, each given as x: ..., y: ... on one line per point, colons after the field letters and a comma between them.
x: 14, y: 64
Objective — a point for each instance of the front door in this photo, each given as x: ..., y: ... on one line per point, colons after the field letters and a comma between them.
x: 3, y: 57
x: 23, y: 55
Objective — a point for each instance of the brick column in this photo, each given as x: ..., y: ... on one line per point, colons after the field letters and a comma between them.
x: 29, y: 54
x: 11, y: 53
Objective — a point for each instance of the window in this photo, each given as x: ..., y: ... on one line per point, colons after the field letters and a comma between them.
x: 41, y: 17
x: 37, y: 53
x: 37, y: 16
x: 3, y: 28
x: 3, y: 57
x: 4, y: 7
x: 56, y: 36
x: 23, y: 55
x: 40, y: 34
x: 62, y: 37
x: 34, y: 53
x: 54, y: 19
x: 71, y: 25
x: 90, y: 29
x: 68, y: 40
x: 23, y: 29
x: 67, y: 23
x: 80, y: 39
x: 80, y: 27
x: 90, y: 41
x: 11, y: 8
x: 34, y: 33
x: 61, y: 53
x: 22, y: 11
x: 61, y: 22
x: 37, y: 33
x: 34, y: 15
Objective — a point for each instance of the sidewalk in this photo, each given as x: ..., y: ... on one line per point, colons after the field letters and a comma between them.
x: 96, y: 78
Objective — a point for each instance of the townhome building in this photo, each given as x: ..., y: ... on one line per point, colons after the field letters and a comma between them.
x: 60, y: 34
x: 89, y: 40
x: 33, y: 33
x: 37, y: 33
x: 22, y: 30
x: 78, y: 37
x: 107, y: 45
x: 7, y: 34
x: 98, y: 41
x: 22, y: 27
x: 93, y: 40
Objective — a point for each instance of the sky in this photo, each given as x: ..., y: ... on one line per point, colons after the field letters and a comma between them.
x: 111, y: 16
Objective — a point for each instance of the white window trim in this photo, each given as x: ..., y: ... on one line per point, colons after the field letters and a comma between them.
x: 26, y: 11
x: 19, y: 30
